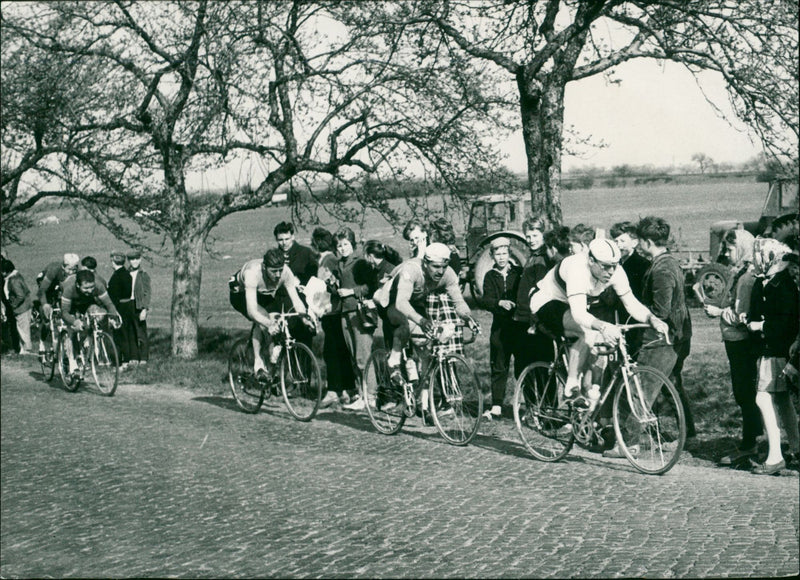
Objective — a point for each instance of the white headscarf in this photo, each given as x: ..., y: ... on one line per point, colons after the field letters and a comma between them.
x: 768, y: 256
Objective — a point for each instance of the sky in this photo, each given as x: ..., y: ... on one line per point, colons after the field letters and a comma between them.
x: 657, y: 116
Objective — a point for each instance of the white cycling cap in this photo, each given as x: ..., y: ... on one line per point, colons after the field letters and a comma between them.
x: 71, y: 260
x: 437, y: 252
x: 604, y: 250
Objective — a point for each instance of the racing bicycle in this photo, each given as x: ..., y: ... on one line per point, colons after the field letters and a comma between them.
x: 448, y: 382
x: 96, y: 353
x: 648, y: 418
x: 296, y: 373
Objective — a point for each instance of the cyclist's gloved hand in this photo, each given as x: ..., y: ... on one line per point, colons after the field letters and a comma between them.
x: 660, y: 326
x: 78, y: 325
x: 473, y: 324
x: 610, y: 333
x: 426, y: 326
x: 47, y: 310
x: 115, y: 322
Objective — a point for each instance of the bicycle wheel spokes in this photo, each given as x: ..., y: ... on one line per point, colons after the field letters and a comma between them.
x: 456, y: 400
x: 649, y: 421
x: 105, y: 364
x: 383, y: 402
x: 545, y: 429
x: 62, y: 361
x: 249, y: 394
x: 301, y: 381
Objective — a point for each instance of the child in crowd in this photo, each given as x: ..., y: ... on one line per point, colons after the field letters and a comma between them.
x: 499, y: 294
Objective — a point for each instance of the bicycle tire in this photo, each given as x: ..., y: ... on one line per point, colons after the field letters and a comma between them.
x: 378, y: 392
x: 105, y: 363
x: 301, y: 381
x: 70, y: 383
x: 652, y: 436
x: 455, y: 399
x: 246, y: 391
x: 544, y: 427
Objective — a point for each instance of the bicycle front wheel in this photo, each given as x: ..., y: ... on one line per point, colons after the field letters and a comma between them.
x: 105, y: 363
x: 456, y: 399
x: 649, y: 421
x: 301, y: 381
x: 70, y: 382
x: 246, y: 390
x: 383, y: 402
x: 544, y: 427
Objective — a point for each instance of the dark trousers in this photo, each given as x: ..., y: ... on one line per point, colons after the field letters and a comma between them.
x: 682, y: 349
x: 124, y: 335
x: 530, y: 348
x: 336, y: 355
x: 140, y: 345
x: 743, y: 362
x: 501, y: 347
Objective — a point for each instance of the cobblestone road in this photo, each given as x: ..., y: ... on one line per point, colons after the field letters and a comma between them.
x: 163, y: 482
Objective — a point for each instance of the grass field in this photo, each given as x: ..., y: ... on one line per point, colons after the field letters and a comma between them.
x: 689, y: 208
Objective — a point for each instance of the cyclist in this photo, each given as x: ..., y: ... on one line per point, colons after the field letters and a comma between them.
x: 50, y: 281
x: 564, y: 297
x: 401, y: 301
x: 262, y: 287
x: 76, y: 301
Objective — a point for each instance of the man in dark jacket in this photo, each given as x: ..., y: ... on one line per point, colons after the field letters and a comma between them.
x: 19, y: 300
x: 120, y: 288
x: 302, y: 260
x: 663, y: 292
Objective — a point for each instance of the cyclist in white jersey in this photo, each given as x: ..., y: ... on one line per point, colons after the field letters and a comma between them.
x: 564, y: 297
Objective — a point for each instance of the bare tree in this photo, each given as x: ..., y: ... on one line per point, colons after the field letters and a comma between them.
x: 180, y: 88
x: 703, y: 161
x: 544, y: 45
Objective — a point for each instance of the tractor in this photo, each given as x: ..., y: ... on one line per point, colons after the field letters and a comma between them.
x: 779, y: 220
x: 490, y: 217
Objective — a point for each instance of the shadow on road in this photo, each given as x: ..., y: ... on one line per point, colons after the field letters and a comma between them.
x: 222, y: 402
x: 354, y: 420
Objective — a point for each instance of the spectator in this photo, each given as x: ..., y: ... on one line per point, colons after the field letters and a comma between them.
x: 10, y: 338
x: 580, y: 236
x: 740, y: 346
x: 120, y: 290
x: 499, y: 294
x: 357, y: 334
x: 19, y: 299
x: 537, y: 346
x: 774, y: 316
x: 340, y: 375
x: 300, y: 259
x: 663, y: 292
x: 417, y: 237
x: 442, y: 231
x: 557, y: 244
x: 140, y: 347
x: 634, y: 264
x: 303, y: 263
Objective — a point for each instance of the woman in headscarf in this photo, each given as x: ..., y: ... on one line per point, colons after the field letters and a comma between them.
x: 774, y: 316
x: 740, y: 345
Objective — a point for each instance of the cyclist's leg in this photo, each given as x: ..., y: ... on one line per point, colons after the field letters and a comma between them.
x: 401, y: 332
x: 557, y: 318
x: 69, y: 348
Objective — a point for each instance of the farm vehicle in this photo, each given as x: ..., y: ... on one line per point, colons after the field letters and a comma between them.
x: 779, y: 220
x: 490, y: 217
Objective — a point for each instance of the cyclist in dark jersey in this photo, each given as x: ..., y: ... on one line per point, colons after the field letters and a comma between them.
x: 76, y: 301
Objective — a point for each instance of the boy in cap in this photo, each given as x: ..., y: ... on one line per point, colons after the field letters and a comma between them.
x: 499, y: 294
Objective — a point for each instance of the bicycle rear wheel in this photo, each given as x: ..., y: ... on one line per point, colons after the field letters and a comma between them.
x: 301, y: 381
x: 456, y: 399
x: 649, y: 421
x: 544, y: 427
x: 383, y: 402
x: 105, y: 363
x: 62, y: 361
x: 246, y: 390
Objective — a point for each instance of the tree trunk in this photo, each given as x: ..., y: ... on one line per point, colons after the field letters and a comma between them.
x: 186, y: 276
x: 542, y: 111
